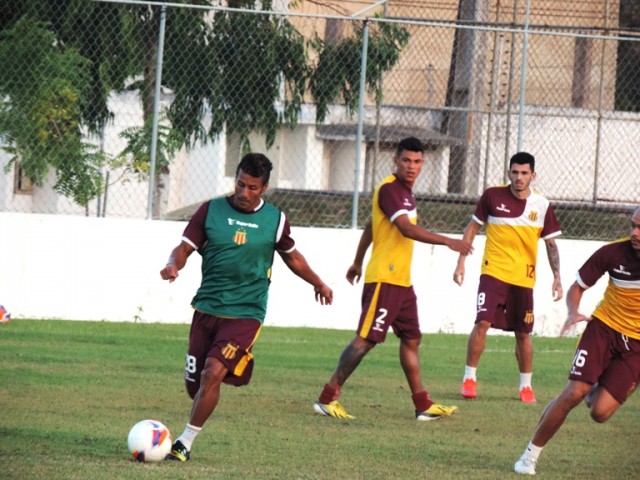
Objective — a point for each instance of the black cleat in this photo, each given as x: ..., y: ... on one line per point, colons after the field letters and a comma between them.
x: 178, y: 453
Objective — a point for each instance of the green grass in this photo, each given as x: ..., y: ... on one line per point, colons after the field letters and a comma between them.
x: 70, y: 392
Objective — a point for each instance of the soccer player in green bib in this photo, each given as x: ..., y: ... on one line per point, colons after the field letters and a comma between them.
x: 237, y: 237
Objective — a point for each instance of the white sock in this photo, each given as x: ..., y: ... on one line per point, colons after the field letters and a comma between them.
x: 533, y: 452
x: 525, y: 380
x: 469, y: 372
x: 189, y: 435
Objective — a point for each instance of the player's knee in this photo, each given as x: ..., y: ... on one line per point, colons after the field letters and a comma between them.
x: 481, y: 328
x: 412, y: 343
x: 361, y: 346
x: 571, y: 396
x: 212, y: 375
x: 600, y: 415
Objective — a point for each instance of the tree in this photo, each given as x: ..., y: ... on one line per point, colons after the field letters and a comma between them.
x: 60, y: 62
x: 41, y: 110
x: 208, y: 66
x: 337, y: 73
x: 223, y: 78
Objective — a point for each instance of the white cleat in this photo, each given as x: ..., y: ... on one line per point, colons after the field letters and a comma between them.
x: 525, y: 466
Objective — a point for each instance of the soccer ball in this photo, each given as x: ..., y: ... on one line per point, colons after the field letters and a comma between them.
x: 5, y: 316
x: 149, y: 441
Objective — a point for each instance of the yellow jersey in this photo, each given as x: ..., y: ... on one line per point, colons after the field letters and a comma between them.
x: 513, y: 228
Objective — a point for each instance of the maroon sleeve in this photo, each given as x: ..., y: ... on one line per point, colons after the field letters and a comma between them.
x: 482, y: 207
x: 594, y: 268
x: 195, y: 232
x: 285, y: 243
x: 551, y: 224
x: 391, y: 200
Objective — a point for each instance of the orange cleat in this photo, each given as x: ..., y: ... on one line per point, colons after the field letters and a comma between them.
x: 527, y: 396
x: 469, y: 388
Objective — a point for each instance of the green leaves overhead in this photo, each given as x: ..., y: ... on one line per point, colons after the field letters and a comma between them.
x: 136, y: 155
x: 253, y: 71
x: 240, y: 63
x: 337, y: 73
x: 226, y: 71
x: 41, y: 110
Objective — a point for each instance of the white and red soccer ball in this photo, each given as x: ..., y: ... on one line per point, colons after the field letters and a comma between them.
x: 149, y: 441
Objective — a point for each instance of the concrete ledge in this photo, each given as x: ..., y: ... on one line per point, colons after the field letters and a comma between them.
x: 104, y: 269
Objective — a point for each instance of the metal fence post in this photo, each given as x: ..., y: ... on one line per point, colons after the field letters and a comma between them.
x: 363, y: 72
x: 156, y: 110
x: 523, y: 74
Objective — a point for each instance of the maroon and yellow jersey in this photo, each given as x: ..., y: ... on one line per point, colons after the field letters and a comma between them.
x: 620, y: 306
x: 513, y: 228
x: 392, y: 252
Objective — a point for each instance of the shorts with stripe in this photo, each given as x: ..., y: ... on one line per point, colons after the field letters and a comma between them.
x: 227, y: 339
x: 607, y: 357
x: 507, y: 307
x: 385, y: 305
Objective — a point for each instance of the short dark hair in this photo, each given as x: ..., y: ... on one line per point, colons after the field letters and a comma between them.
x: 411, y: 144
x: 257, y: 165
x: 523, y: 158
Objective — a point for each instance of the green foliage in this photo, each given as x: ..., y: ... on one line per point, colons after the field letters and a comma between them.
x: 337, y: 72
x: 245, y: 100
x: 247, y: 73
x: 109, y: 38
x: 241, y: 98
x: 79, y: 52
x: 136, y: 156
x: 41, y: 110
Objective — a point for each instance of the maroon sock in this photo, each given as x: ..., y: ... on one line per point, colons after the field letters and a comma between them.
x: 329, y: 394
x: 421, y: 401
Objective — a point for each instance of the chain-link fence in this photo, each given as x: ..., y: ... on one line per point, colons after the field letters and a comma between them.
x: 99, y: 96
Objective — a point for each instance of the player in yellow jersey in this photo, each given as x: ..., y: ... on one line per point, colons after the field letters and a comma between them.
x: 606, y: 366
x: 515, y: 217
x: 388, y: 298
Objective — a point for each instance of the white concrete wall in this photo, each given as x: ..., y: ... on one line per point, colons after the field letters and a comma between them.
x: 97, y: 269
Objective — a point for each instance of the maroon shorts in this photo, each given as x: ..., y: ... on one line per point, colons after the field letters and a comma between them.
x: 508, y: 307
x: 609, y: 358
x: 227, y: 339
x: 385, y: 305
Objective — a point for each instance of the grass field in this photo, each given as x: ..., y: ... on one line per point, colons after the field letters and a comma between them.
x: 70, y: 392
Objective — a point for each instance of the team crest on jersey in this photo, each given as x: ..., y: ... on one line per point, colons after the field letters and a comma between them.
x: 229, y: 352
x: 533, y: 215
x: 240, y: 237
x: 528, y: 317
